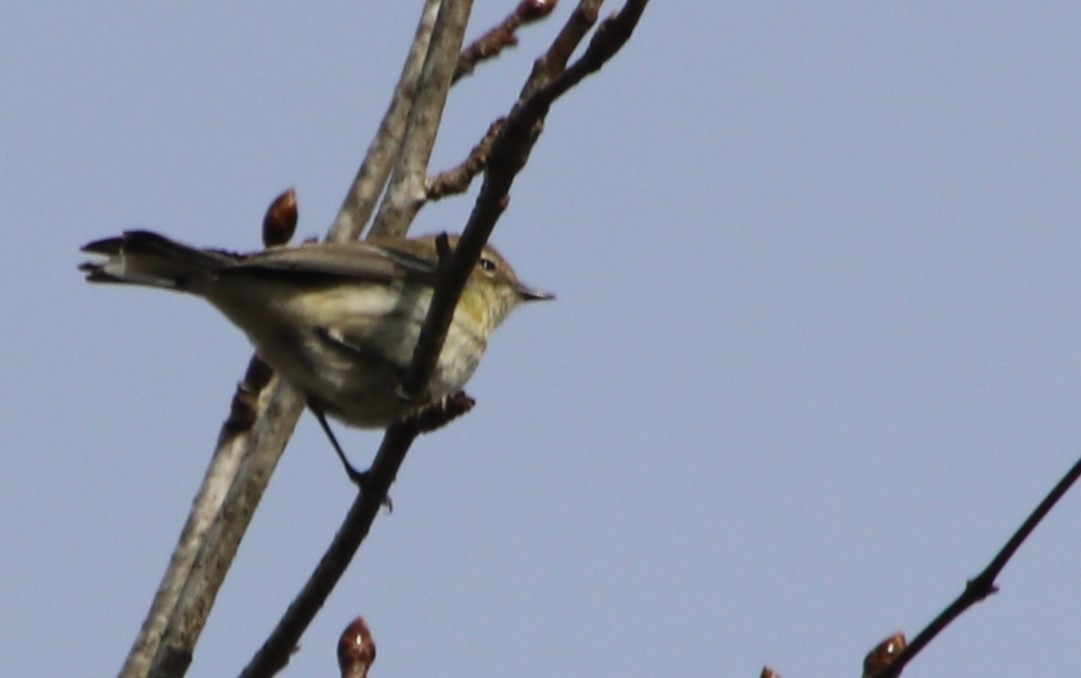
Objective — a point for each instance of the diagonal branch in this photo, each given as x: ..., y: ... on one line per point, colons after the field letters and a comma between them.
x: 406, y: 189
x: 360, y: 200
x: 509, y: 152
x: 274, y: 654
x: 456, y: 180
x: 984, y: 584
x: 554, y: 61
x: 249, y: 447
x: 502, y: 36
x: 263, y: 414
x: 394, y: 218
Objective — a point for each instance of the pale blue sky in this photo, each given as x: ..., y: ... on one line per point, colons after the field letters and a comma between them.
x: 815, y: 354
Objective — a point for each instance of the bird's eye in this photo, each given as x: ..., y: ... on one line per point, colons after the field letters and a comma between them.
x: 487, y: 264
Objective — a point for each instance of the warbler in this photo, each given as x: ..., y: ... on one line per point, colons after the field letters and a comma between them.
x: 338, y: 321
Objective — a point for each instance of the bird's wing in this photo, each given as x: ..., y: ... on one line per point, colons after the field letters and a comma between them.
x: 318, y: 262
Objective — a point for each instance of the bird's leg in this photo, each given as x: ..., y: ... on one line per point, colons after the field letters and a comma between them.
x: 359, y: 478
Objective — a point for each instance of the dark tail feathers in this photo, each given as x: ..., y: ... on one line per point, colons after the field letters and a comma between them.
x: 146, y: 258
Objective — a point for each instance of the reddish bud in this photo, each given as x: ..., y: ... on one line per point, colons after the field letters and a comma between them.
x: 280, y: 221
x: 884, y: 654
x: 356, y: 650
x: 533, y: 10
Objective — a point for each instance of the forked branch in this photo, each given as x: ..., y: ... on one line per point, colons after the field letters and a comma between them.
x: 509, y: 152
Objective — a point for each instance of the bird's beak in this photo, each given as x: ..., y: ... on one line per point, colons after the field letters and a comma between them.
x: 531, y: 294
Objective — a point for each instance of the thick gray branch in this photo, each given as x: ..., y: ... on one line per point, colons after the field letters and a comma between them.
x: 264, y: 414
x: 408, y: 189
x: 364, y: 192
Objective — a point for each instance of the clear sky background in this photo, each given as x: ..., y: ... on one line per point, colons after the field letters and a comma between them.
x: 815, y: 355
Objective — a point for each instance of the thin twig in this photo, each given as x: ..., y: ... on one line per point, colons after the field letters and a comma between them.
x: 554, y: 61
x: 609, y: 37
x: 509, y: 152
x: 983, y: 584
x: 501, y: 36
x: 275, y: 652
x: 406, y: 189
x: 456, y: 180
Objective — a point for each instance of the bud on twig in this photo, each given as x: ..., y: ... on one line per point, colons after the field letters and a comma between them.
x: 533, y: 10
x: 884, y: 654
x: 356, y: 650
x: 280, y: 221
x: 502, y: 36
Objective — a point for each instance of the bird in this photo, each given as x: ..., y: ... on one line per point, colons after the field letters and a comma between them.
x: 338, y: 321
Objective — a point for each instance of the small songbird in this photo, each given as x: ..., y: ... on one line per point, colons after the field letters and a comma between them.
x: 338, y: 321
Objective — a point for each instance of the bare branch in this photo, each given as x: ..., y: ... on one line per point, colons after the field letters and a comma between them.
x: 406, y: 189
x: 502, y: 36
x: 282, y: 406
x: 265, y: 411
x: 509, y: 151
x: 508, y: 154
x: 274, y: 654
x: 262, y: 418
x: 249, y: 447
x: 372, y: 176
x: 559, y: 53
x: 609, y: 37
x: 984, y: 584
x: 455, y: 181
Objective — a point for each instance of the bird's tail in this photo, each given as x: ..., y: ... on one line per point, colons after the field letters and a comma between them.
x: 146, y: 258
